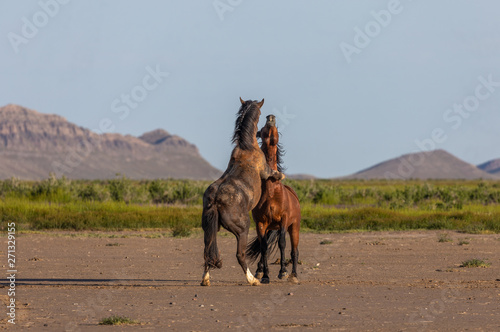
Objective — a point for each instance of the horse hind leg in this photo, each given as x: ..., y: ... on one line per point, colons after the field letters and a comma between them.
x: 238, y: 223
x: 210, y: 224
x: 240, y: 255
x: 206, y: 278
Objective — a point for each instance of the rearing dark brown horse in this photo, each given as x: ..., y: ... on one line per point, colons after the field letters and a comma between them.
x: 278, y: 211
x: 228, y: 201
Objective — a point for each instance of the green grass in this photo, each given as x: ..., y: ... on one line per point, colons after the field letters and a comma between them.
x: 319, y: 218
x: 181, y: 229
x: 444, y: 237
x: 118, y: 320
x: 326, y: 205
x: 79, y: 216
x: 475, y: 263
x: 440, y: 195
x: 95, y: 216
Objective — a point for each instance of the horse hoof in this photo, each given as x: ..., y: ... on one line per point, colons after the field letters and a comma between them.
x: 283, y: 275
x: 205, y: 283
x: 264, y: 281
x: 293, y: 279
x: 255, y: 283
x: 259, y: 275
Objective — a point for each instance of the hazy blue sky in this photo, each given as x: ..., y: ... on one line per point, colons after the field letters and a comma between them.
x: 337, y: 117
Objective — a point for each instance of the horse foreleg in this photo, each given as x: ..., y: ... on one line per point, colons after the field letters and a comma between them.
x: 294, y: 242
x: 282, y: 245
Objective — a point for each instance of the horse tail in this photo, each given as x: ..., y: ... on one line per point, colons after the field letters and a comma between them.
x: 253, y: 249
x: 210, y: 224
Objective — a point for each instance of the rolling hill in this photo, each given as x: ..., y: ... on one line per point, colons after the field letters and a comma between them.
x: 492, y: 167
x: 437, y: 164
x: 33, y: 145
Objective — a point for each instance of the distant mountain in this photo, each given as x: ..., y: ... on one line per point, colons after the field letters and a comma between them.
x: 437, y: 164
x: 492, y: 167
x: 33, y: 144
x: 301, y: 176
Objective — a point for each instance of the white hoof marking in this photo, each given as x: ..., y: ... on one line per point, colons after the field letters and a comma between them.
x: 206, y: 278
x: 251, y: 279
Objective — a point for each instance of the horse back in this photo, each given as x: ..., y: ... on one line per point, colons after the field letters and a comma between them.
x: 292, y: 192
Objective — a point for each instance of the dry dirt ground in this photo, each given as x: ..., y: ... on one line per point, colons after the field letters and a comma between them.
x: 384, y: 281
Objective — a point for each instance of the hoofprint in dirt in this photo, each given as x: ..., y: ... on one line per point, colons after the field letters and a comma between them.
x: 359, y: 281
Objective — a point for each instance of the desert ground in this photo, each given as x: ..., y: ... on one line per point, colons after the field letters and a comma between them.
x: 381, y: 281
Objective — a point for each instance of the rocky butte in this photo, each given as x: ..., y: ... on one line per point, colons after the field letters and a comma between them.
x: 33, y: 145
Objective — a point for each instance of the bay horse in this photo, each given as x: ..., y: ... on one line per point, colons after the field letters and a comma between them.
x: 228, y: 201
x: 277, y: 212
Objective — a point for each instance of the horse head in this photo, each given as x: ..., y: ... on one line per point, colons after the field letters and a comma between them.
x: 271, y: 147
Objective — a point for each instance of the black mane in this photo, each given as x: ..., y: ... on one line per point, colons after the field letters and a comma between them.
x: 244, y: 129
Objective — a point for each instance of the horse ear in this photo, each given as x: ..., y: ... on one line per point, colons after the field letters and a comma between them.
x: 261, y: 103
x: 242, y: 101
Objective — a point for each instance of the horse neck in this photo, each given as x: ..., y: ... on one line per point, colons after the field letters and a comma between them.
x: 270, y: 152
x: 246, y: 139
x: 255, y: 142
